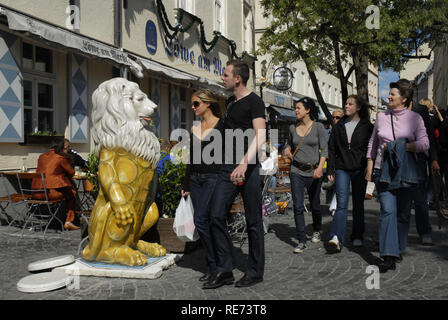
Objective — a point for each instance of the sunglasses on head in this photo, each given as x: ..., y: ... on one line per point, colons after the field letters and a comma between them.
x: 195, y: 104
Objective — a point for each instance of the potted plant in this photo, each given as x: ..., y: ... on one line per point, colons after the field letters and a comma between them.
x: 91, y: 184
x: 170, y: 184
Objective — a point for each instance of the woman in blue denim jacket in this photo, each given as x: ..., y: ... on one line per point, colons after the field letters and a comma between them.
x: 397, y: 122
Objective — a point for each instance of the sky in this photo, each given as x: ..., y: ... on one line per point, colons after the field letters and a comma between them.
x: 386, y: 77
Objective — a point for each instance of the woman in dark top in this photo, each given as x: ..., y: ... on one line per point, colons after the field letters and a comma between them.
x: 347, y: 163
x: 202, y: 170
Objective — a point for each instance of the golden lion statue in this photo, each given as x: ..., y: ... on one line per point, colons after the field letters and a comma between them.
x: 128, y: 155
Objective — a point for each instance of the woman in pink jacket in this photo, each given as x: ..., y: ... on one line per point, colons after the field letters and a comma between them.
x: 397, y: 122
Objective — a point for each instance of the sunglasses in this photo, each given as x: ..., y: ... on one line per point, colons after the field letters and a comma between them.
x: 337, y: 117
x: 195, y: 104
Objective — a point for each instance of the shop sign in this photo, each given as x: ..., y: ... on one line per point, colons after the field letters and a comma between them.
x: 151, y: 37
x: 277, y: 99
x: 174, y: 48
x: 282, y: 78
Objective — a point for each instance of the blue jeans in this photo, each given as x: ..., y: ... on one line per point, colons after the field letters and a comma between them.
x: 298, y: 185
x: 339, y: 224
x: 394, y: 217
x: 201, y: 191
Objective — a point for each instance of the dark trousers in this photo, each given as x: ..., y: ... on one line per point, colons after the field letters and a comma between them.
x: 223, y: 197
x: 298, y: 185
x: 201, y: 191
x: 422, y: 209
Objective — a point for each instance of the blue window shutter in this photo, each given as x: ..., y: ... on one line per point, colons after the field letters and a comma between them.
x: 78, y: 104
x: 11, y: 89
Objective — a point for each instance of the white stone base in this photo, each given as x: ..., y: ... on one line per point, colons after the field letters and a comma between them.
x: 152, y: 270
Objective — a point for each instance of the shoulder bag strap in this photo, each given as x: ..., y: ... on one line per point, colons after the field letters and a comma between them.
x: 300, y: 143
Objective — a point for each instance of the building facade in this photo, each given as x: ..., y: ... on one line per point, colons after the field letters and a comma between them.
x: 440, y: 70
x: 54, y: 54
x: 420, y: 71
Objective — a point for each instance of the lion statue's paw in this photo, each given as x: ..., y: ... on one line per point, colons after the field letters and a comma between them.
x: 151, y: 249
x: 128, y: 256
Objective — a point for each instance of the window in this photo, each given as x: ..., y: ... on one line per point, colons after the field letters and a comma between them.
x: 38, y: 89
x: 38, y: 104
x: 220, y: 16
x: 187, y: 5
x: 183, y: 107
x: 336, y: 102
x: 37, y: 58
x: 247, y: 29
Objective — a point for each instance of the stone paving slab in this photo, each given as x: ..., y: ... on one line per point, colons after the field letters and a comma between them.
x: 312, y: 275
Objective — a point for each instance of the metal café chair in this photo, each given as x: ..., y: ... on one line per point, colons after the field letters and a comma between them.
x: 236, y: 221
x: 11, y: 200
x: 39, y: 213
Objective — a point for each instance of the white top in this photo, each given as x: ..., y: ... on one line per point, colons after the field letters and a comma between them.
x: 349, y: 128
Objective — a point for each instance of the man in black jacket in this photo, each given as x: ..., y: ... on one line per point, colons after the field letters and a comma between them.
x: 430, y: 162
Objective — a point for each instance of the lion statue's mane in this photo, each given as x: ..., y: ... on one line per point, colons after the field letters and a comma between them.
x: 115, y: 123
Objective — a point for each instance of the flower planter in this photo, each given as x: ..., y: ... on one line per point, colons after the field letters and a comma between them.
x: 41, y: 140
x: 169, y: 239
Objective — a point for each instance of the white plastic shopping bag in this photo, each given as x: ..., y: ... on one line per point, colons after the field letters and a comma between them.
x: 183, y: 224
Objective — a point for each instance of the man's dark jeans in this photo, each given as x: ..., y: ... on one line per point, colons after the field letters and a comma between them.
x: 223, y: 197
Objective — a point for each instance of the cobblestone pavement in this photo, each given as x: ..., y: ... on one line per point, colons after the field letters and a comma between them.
x: 314, y: 274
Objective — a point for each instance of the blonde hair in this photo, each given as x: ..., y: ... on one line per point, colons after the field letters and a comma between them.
x: 427, y: 102
x: 206, y: 95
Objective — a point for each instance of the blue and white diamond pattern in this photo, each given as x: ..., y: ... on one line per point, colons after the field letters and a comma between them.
x: 175, y: 116
x: 11, y: 90
x: 79, y: 120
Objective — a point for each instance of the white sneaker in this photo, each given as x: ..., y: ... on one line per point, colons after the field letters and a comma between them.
x: 316, y: 237
x: 333, y: 244
x: 300, y: 248
x: 357, y: 243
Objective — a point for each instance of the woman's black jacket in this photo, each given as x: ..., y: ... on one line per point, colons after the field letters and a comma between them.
x: 348, y: 156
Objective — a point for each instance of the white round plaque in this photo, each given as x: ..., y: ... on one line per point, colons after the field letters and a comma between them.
x: 45, y: 281
x: 51, y: 263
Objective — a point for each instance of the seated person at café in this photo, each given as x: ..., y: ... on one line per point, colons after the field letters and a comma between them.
x: 76, y: 159
x: 58, y: 172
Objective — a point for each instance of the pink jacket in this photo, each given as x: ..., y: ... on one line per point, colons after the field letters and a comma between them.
x: 407, y: 124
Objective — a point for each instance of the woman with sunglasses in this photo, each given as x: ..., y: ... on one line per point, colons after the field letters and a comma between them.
x: 347, y: 163
x: 308, y: 137
x: 200, y: 177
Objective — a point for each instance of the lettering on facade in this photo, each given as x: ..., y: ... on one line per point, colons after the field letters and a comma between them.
x: 92, y: 48
x: 175, y: 49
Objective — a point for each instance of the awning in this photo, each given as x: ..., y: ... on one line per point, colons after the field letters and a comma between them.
x: 283, y: 113
x: 175, y: 74
x: 21, y: 22
x: 168, y: 71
